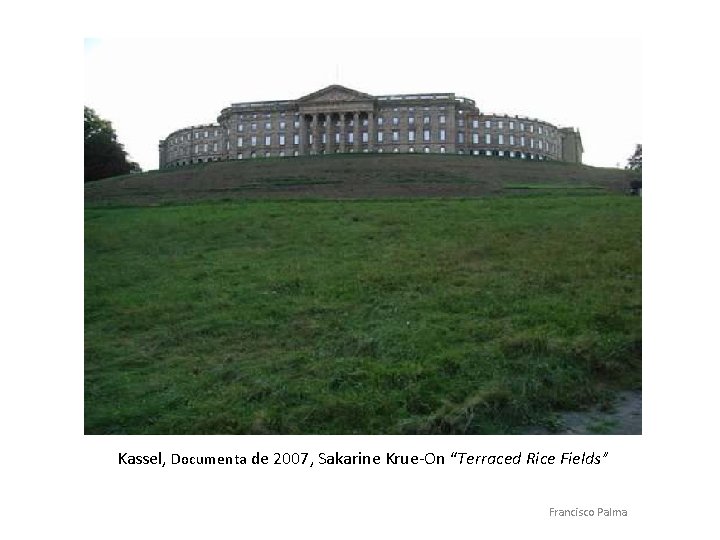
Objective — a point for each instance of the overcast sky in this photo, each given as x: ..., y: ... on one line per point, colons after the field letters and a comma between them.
x: 150, y: 87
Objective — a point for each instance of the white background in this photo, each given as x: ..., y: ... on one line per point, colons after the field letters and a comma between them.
x: 56, y: 482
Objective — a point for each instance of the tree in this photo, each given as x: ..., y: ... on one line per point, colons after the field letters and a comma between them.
x: 104, y: 155
x: 635, y: 161
x: 635, y: 165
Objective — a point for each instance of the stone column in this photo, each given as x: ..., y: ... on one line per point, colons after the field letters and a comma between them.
x: 329, y: 134
x: 303, y: 136
x: 316, y: 133
x: 356, y: 131
x: 371, y: 130
x: 343, y: 132
x: 452, y: 130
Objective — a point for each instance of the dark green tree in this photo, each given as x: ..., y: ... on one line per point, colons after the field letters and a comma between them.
x: 104, y: 155
x: 635, y: 165
x: 635, y: 161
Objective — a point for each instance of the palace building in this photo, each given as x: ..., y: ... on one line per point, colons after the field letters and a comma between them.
x: 338, y: 119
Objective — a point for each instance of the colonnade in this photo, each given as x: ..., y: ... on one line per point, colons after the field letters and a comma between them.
x: 311, y: 124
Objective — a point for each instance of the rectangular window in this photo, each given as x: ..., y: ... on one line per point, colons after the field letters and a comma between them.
x: 296, y: 139
x: 487, y: 138
x: 206, y: 134
x: 501, y: 139
x: 500, y: 124
x: 395, y: 120
x: 267, y: 140
x: 268, y: 125
x: 442, y: 119
x: 411, y: 120
x: 282, y: 140
x: 240, y: 127
x: 411, y: 136
x: 351, y: 137
x: 282, y: 125
x: 214, y: 147
x: 461, y: 138
x: 196, y: 148
x: 475, y: 138
x: 380, y: 121
x: 395, y: 135
x: 426, y: 135
x: 442, y: 135
x: 461, y: 122
x: 512, y: 140
x: 197, y: 135
x: 253, y: 126
x: 475, y: 123
x: 512, y: 125
x: 487, y: 124
x: 364, y: 122
x: 522, y: 126
x: 532, y: 128
x: 380, y: 136
x: 239, y: 142
x: 540, y: 130
x: 324, y: 138
x: 205, y: 148
x: 337, y: 138
x: 253, y: 141
x: 426, y: 120
x: 296, y: 123
x: 522, y: 140
x: 364, y: 136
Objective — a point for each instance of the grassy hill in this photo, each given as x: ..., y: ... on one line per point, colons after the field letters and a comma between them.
x: 359, y: 294
x: 353, y: 177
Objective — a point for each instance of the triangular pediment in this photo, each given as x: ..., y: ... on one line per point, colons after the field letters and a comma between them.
x: 335, y: 92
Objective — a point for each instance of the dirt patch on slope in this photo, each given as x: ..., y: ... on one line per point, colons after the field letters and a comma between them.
x: 623, y: 417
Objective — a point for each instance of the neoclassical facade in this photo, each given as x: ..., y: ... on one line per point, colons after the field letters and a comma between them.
x: 338, y: 119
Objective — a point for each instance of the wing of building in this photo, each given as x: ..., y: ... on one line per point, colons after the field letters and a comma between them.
x: 338, y: 119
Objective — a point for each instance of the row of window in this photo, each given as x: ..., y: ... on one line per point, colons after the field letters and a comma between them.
x: 206, y: 146
x: 282, y: 114
x: 511, y: 140
x: 500, y: 124
x: 198, y: 135
x: 395, y: 121
x: 395, y: 137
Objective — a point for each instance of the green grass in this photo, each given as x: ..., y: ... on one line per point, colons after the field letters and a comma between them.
x: 551, y: 186
x: 355, y: 176
x: 394, y: 316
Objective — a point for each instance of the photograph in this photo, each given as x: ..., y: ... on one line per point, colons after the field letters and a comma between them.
x: 362, y: 241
